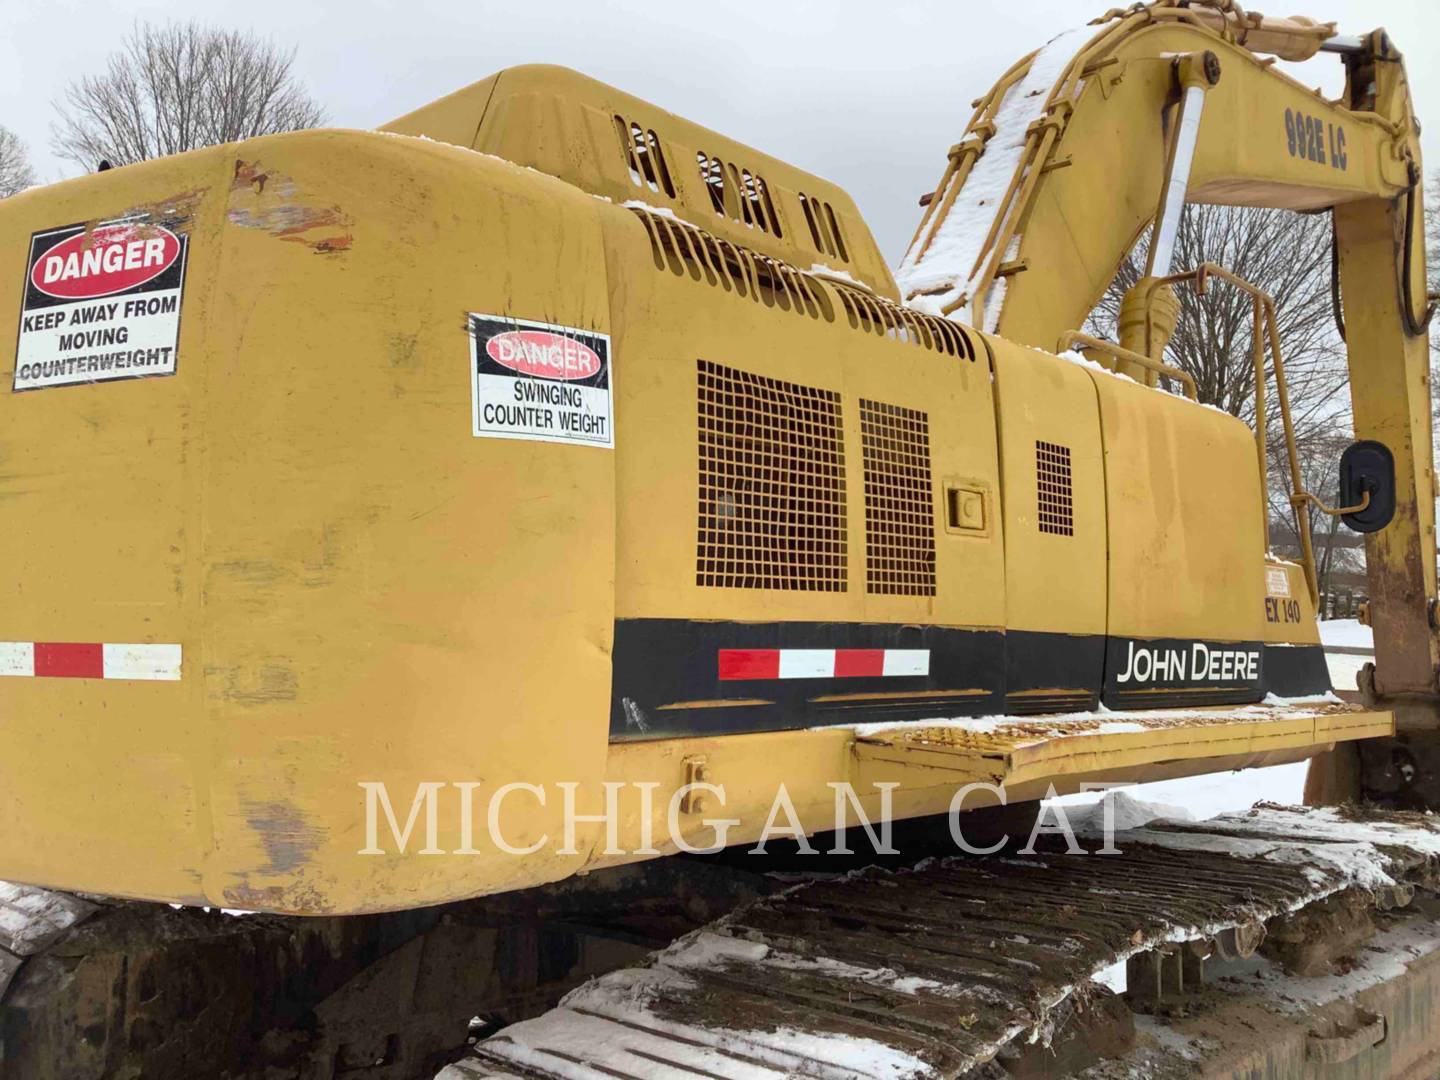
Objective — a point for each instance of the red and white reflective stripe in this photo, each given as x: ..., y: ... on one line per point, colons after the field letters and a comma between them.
x: 738, y: 664
x: 89, y: 660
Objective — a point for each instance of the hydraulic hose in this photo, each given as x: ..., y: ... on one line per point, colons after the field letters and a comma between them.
x: 1415, y: 326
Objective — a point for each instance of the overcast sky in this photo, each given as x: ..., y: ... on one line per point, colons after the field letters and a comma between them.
x: 869, y: 95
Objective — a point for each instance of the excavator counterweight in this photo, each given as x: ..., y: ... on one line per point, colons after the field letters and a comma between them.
x: 413, y: 530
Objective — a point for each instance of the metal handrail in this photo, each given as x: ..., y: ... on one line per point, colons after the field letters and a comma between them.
x: 1300, y: 499
x: 1265, y: 329
x: 1085, y: 341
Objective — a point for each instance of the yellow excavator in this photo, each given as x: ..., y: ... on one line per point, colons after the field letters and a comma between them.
x: 415, y: 535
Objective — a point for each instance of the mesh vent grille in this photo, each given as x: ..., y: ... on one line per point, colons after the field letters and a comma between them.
x: 899, y: 505
x: 772, y: 484
x: 1055, y: 500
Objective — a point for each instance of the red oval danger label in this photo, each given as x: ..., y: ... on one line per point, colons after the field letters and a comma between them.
x: 543, y: 354
x: 108, y: 259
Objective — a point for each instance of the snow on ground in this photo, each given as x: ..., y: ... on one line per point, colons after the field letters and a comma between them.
x: 1347, y: 633
x: 1345, y: 669
x: 1195, y: 798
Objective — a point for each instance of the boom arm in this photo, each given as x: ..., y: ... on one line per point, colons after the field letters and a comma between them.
x: 1062, y: 167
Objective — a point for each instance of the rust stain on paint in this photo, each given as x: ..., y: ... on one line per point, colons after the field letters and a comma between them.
x: 297, y: 899
x: 174, y: 211
x: 270, y: 201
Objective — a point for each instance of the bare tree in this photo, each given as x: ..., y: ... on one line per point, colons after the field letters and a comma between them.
x: 1284, y: 253
x: 15, y: 172
x: 179, y: 87
x: 1287, y: 255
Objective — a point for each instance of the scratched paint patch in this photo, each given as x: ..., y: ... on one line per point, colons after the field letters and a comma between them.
x: 289, y: 839
x: 101, y: 303
x: 270, y: 201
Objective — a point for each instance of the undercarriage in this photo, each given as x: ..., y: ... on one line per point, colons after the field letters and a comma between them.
x: 1277, y: 940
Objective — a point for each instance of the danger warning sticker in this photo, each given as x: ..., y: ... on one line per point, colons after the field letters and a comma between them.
x: 538, y: 381
x: 100, y: 304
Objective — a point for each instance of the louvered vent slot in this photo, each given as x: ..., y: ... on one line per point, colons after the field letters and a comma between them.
x: 772, y: 484
x: 824, y: 228
x: 644, y: 157
x: 700, y: 257
x: 1055, y: 497
x: 738, y: 194
x: 712, y: 174
x: 899, y: 505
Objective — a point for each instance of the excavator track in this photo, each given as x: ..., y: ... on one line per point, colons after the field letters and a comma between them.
x: 960, y: 966
x: 93, y: 988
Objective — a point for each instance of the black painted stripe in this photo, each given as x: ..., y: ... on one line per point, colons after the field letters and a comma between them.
x: 1189, y: 680
x: 663, y: 667
x: 1296, y: 670
x: 666, y: 676
x: 1052, y: 672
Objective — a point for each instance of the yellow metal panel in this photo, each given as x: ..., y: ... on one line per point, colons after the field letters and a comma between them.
x: 454, y: 118
x: 99, y: 491
x: 565, y: 124
x: 1053, y: 581
x: 1183, y: 503
x: 931, y: 764
x: 363, y: 590
x: 1289, y: 614
x: 1040, y: 753
x: 453, y: 557
x: 665, y: 322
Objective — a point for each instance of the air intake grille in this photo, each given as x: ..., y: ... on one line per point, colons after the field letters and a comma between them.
x: 772, y: 484
x: 1055, y: 499
x: 899, y: 504
x: 645, y: 157
x: 824, y: 227
x: 738, y: 194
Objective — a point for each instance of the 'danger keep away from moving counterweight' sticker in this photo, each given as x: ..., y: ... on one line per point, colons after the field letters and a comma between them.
x: 538, y: 381
x: 100, y: 304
